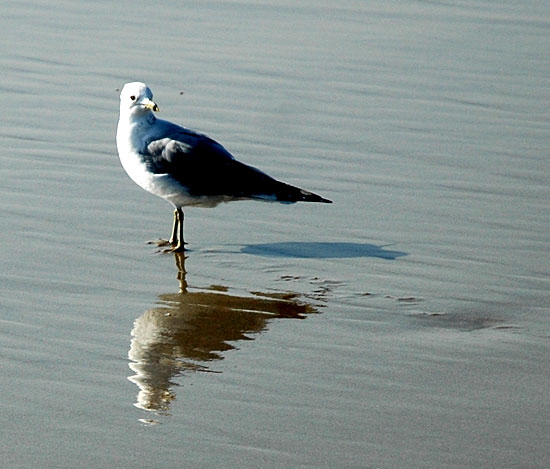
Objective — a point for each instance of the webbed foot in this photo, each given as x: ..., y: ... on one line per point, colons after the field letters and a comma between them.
x: 177, y: 248
x: 160, y: 243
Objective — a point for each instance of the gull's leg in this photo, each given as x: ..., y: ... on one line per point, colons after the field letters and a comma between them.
x: 174, y: 238
x: 179, y: 245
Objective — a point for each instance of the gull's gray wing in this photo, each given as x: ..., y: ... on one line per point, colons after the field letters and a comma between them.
x: 206, y: 168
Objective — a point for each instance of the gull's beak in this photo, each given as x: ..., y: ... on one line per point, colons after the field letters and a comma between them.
x: 148, y: 104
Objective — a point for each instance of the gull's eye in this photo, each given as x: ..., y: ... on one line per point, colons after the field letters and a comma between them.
x: 133, y: 98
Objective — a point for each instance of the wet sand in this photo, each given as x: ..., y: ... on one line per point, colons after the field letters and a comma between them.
x: 405, y: 325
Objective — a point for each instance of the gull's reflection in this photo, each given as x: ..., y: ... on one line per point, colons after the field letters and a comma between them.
x: 189, y: 329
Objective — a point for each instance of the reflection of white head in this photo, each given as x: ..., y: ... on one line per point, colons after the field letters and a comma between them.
x: 156, y: 360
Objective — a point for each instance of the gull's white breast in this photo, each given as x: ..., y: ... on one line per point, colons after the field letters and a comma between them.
x: 129, y: 145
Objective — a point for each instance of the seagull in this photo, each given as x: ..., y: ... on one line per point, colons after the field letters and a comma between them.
x: 185, y: 167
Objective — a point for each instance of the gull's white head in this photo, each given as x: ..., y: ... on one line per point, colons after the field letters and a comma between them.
x: 137, y: 99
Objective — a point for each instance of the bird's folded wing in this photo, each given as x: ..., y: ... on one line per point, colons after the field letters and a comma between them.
x: 206, y: 168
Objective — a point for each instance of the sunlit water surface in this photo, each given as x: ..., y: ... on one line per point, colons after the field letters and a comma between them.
x: 405, y: 325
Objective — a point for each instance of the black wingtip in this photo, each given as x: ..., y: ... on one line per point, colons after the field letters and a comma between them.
x: 286, y: 193
x: 319, y: 199
x: 311, y: 197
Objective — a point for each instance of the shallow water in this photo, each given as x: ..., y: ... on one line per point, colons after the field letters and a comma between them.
x: 405, y: 325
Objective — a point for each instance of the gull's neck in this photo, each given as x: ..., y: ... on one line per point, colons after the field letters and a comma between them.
x: 131, y: 126
x: 140, y: 119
